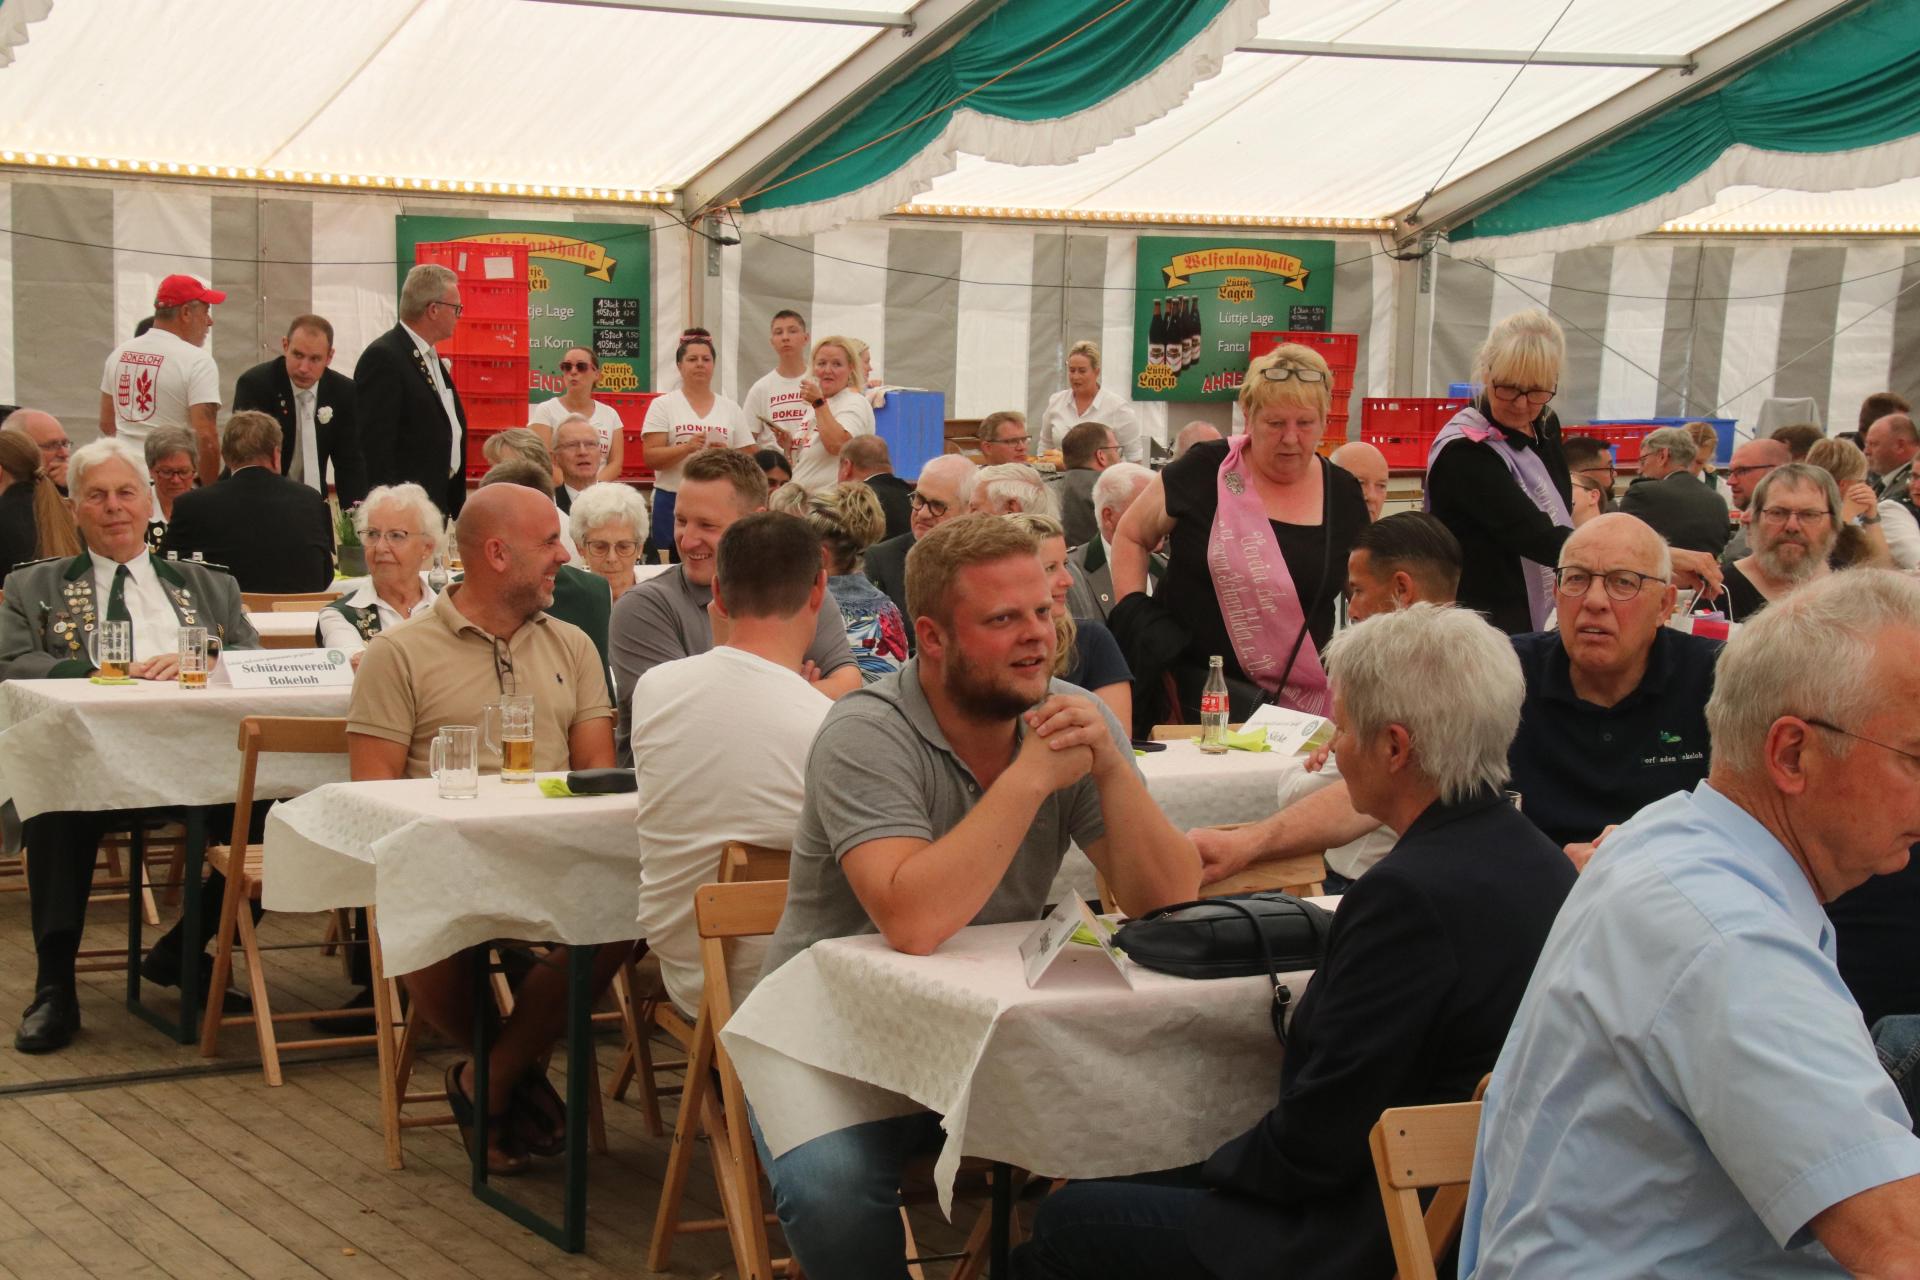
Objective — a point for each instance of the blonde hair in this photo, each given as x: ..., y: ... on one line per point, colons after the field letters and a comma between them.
x: 1088, y: 349
x: 1527, y: 349
x: 1706, y: 442
x: 1840, y: 459
x: 1258, y: 393
x: 1065, y: 630
x: 935, y: 562
x: 789, y: 499
x: 848, y: 519
x: 851, y: 348
x: 517, y: 442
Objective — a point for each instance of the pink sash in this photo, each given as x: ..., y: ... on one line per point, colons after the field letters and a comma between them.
x: 1263, y: 611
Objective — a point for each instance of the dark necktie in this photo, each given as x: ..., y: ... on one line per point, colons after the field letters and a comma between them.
x: 117, y: 602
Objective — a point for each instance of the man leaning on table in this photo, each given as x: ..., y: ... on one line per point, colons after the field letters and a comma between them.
x: 52, y: 610
x: 940, y: 797
x: 1688, y: 1089
x: 485, y: 637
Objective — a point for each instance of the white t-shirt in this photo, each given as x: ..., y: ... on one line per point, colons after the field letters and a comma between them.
x: 1108, y: 407
x: 814, y: 468
x: 687, y: 748
x: 775, y: 398
x: 551, y: 413
x: 153, y: 381
x: 1350, y: 860
x: 722, y: 426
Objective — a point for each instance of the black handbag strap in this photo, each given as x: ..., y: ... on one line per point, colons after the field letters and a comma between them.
x: 1282, y: 997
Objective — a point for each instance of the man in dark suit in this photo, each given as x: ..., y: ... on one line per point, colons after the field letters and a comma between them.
x: 1425, y: 965
x: 946, y: 482
x: 271, y: 533
x: 1672, y: 499
x: 314, y: 406
x: 865, y: 458
x: 412, y: 425
x: 1086, y: 452
x: 1116, y: 488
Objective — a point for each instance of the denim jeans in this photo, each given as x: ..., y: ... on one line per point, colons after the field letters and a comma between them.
x: 661, y: 531
x: 1115, y: 1229
x: 838, y: 1196
x: 1897, y: 1037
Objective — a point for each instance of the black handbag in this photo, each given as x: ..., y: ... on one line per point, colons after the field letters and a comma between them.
x: 1235, y: 936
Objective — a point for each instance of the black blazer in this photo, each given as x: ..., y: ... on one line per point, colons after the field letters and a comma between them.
x: 404, y: 436
x: 272, y: 533
x: 267, y: 387
x: 896, y: 499
x: 1429, y: 955
x: 886, y: 568
x: 1682, y: 510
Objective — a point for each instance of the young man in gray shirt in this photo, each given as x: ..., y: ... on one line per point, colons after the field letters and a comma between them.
x: 944, y: 796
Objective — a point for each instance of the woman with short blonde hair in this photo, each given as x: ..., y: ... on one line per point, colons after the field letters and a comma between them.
x: 1873, y: 534
x: 848, y: 519
x: 1085, y: 400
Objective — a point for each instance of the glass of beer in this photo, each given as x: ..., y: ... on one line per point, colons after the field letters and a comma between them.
x: 193, y: 657
x: 111, y: 648
x: 454, y: 758
x: 510, y: 732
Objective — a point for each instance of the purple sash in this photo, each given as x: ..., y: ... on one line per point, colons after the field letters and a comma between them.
x: 1257, y: 598
x: 1530, y: 473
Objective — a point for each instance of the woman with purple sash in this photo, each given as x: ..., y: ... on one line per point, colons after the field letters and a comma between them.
x: 1257, y: 528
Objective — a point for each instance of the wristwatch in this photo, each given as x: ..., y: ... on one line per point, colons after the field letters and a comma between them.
x: 816, y: 403
x: 1873, y: 519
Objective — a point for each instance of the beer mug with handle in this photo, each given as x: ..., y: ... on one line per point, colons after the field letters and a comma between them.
x: 193, y: 658
x: 509, y: 724
x: 454, y: 758
x: 111, y: 648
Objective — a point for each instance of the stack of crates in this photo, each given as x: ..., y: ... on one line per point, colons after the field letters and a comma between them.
x: 1625, y: 435
x: 1342, y: 354
x: 1403, y: 428
x: 492, y: 369
x: 632, y: 408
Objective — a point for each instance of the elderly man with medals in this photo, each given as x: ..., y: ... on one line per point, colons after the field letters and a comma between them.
x: 49, y: 622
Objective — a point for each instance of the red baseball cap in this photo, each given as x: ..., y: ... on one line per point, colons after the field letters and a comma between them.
x: 178, y: 291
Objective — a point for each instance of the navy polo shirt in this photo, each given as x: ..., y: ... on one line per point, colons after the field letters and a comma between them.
x: 1578, y: 766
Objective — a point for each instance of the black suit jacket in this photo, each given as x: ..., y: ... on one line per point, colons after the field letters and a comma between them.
x: 886, y: 568
x: 896, y: 499
x: 404, y: 435
x: 267, y: 387
x: 272, y: 533
x: 1429, y: 955
x: 1682, y: 510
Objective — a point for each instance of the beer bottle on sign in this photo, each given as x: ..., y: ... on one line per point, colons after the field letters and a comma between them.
x: 1157, y: 337
x: 1176, y: 346
x: 1193, y: 333
x: 1213, y: 708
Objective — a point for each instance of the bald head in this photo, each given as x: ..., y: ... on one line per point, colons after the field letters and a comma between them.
x: 1891, y: 442
x: 1192, y: 434
x: 1750, y: 463
x: 47, y: 435
x: 1627, y: 541
x: 511, y: 552
x: 1368, y: 465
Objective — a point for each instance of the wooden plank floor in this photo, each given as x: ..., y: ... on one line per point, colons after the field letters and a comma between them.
x: 128, y: 1157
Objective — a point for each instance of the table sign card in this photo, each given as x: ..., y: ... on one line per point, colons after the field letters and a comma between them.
x: 283, y: 669
x: 1292, y: 732
x: 1052, y: 935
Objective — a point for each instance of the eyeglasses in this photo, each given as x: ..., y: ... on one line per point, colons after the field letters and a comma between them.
x: 1622, y: 584
x: 1019, y: 440
x: 1507, y: 393
x: 920, y: 503
x: 1108, y: 448
x: 576, y: 366
x: 579, y: 444
x: 1908, y: 756
x: 457, y: 307
x: 1786, y: 515
x: 601, y: 547
x: 179, y: 475
x: 1285, y: 372
x: 1599, y: 468
x: 1749, y: 468
x: 395, y: 538
x: 502, y: 667
x: 62, y: 445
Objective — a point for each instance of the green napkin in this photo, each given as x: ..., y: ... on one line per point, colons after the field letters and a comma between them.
x: 555, y: 788
x: 1248, y: 740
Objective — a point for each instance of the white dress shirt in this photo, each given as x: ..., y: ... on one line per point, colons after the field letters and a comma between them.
x: 437, y: 374
x: 156, y: 626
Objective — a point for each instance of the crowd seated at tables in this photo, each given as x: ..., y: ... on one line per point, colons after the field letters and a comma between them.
x: 1658, y: 884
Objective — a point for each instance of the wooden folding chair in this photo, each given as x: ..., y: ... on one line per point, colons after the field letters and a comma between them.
x: 241, y: 862
x: 1299, y: 875
x: 270, y: 601
x: 301, y: 606
x: 1419, y: 1147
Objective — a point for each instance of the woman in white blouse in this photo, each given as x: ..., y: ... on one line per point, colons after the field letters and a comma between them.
x: 400, y: 529
x: 1085, y: 400
x: 837, y: 394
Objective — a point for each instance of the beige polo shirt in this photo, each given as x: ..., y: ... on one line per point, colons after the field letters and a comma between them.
x: 438, y: 668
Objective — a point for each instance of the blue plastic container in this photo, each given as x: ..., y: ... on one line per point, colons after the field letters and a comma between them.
x: 1462, y: 390
x: 914, y: 425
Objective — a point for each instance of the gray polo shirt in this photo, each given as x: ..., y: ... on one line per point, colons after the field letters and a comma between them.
x: 665, y: 618
x: 880, y: 766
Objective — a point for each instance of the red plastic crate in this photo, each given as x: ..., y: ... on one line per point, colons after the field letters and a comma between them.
x: 490, y: 375
x: 500, y: 339
x: 1341, y: 351
x: 493, y: 299
x: 476, y: 260
x: 1625, y: 437
x: 632, y: 408
x: 492, y: 412
x: 477, y: 437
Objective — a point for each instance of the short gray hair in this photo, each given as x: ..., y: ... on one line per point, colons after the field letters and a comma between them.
x: 433, y: 525
x: 164, y: 442
x: 1810, y: 654
x: 1445, y: 676
x: 598, y: 504
x: 1680, y: 446
x: 88, y: 456
x: 1794, y: 475
x: 423, y: 287
x: 1016, y: 482
x: 1111, y: 490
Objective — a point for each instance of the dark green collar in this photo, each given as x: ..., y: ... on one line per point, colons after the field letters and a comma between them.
x: 82, y: 564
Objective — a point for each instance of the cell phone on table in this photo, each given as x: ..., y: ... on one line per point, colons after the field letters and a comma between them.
x: 1148, y: 744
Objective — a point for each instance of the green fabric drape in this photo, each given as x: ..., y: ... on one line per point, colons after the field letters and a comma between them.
x: 1079, y: 75
x: 1853, y: 84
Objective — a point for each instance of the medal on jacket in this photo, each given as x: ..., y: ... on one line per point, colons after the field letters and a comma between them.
x: 78, y: 622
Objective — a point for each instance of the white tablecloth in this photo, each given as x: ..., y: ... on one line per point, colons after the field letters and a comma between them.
x: 72, y: 745
x: 449, y: 874
x: 285, y: 625
x: 1078, y: 1077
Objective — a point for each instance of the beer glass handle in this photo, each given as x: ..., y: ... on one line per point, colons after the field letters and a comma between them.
x: 487, y: 730
x: 436, y: 756
x: 93, y: 648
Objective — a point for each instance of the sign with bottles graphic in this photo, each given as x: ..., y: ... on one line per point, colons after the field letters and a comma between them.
x: 1198, y: 300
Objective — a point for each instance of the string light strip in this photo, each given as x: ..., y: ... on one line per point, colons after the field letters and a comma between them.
x: 329, y: 181
x: 1013, y: 214
x: 1682, y: 227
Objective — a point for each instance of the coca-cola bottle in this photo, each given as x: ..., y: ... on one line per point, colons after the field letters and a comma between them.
x: 1213, y: 708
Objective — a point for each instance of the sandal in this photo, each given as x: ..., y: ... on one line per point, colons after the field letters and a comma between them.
x: 500, y: 1163
x: 538, y: 1116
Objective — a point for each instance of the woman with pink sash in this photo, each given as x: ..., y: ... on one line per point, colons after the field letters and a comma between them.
x: 1258, y: 528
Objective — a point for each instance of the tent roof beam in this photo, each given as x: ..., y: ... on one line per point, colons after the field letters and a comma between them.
x: 1432, y: 53
x: 767, y: 10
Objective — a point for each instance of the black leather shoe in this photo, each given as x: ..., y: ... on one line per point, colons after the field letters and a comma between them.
x: 161, y: 966
x: 49, y: 1022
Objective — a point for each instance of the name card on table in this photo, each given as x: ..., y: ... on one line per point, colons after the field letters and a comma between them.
x: 284, y: 669
x: 1292, y: 732
x: 1069, y: 924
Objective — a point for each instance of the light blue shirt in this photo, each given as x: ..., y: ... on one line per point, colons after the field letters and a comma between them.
x: 1688, y: 1081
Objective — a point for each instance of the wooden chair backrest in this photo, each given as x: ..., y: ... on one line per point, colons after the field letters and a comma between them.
x: 294, y: 735
x: 268, y: 601
x: 740, y: 861
x: 302, y: 606
x: 1415, y: 1148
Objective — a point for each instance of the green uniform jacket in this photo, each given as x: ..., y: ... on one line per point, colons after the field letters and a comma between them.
x: 50, y: 613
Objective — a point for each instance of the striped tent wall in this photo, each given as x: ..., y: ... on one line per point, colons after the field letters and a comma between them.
x: 1677, y: 328
x: 82, y: 260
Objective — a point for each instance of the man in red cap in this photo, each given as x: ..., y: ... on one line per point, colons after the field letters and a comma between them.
x: 166, y: 376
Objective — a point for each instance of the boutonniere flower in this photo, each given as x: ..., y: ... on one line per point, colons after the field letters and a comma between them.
x: 324, y: 415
